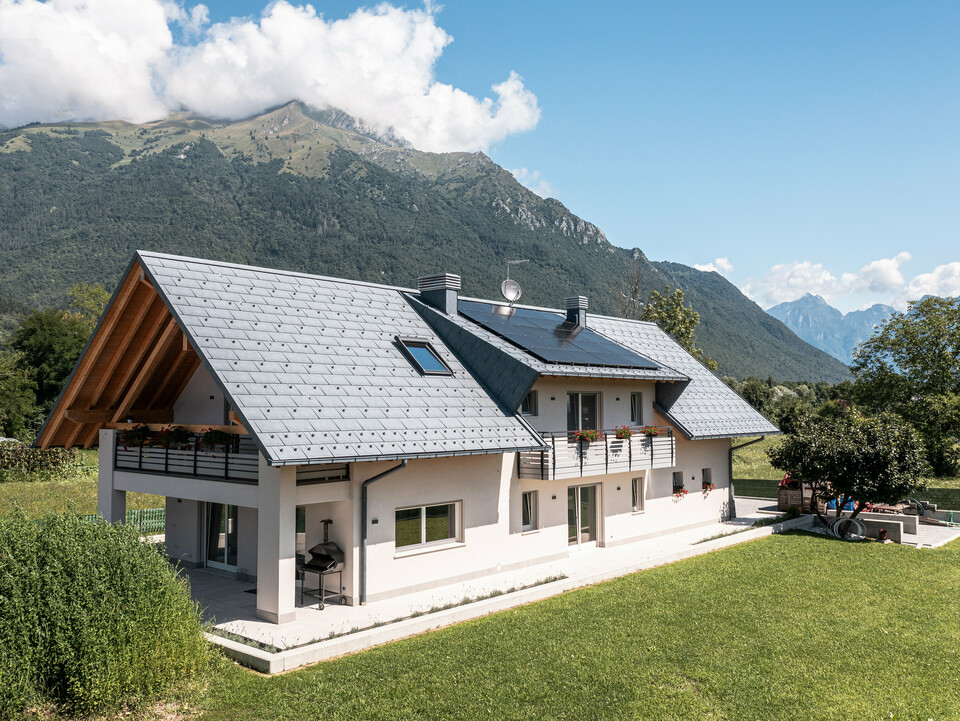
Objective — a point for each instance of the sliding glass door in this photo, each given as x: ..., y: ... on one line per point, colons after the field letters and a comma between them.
x: 582, y: 514
x: 221, y: 536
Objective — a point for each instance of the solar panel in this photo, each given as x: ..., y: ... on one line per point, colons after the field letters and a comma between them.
x: 550, y: 338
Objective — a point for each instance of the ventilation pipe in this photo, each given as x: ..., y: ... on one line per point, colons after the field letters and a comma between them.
x: 576, y: 306
x: 363, y: 527
x: 440, y: 291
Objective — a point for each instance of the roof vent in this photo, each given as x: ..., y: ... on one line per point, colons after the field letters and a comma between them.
x: 440, y: 291
x: 576, y: 310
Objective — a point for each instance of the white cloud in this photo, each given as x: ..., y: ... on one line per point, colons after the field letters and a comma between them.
x: 944, y: 280
x: 723, y: 266
x: 532, y: 180
x: 104, y: 59
x: 790, y: 281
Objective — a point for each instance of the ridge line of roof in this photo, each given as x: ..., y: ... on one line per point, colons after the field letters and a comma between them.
x: 560, y: 311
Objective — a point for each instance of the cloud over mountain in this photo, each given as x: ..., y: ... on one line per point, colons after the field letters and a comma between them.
x: 105, y: 59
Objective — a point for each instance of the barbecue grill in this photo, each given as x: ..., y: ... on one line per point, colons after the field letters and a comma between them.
x: 326, y: 559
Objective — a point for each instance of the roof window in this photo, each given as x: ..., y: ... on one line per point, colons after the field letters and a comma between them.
x: 424, y: 357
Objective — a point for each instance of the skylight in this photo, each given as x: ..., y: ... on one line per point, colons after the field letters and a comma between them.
x: 424, y: 357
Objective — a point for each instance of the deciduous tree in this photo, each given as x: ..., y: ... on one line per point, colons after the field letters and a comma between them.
x: 668, y: 311
x: 911, y: 366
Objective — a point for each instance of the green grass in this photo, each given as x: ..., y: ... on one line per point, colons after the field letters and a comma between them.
x: 76, y: 492
x: 794, y: 626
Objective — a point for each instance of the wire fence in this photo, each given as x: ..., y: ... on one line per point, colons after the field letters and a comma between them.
x: 147, y: 521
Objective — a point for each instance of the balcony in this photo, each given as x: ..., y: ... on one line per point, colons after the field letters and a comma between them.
x: 572, y: 458
x: 236, y: 461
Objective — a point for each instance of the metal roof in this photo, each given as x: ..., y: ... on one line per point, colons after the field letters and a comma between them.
x: 703, y: 408
x: 312, y: 367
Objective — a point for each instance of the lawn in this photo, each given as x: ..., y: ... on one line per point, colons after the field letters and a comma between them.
x: 793, y: 626
x: 76, y: 491
x: 754, y: 476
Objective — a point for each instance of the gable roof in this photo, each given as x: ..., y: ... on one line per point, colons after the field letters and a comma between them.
x: 704, y: 407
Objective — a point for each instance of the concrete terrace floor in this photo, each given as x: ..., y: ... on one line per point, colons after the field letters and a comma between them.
x: 229, y: 606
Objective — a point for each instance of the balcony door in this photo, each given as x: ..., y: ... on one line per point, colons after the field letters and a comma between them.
x: 221, y: 536
x: 583, y: 411
x: 582, y: 515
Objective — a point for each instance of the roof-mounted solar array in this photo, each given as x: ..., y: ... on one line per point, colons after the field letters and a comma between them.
x: 549, y: 337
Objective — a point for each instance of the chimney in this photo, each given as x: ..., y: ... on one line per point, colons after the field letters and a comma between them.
x: 440, y: 291
x: 576, y: 310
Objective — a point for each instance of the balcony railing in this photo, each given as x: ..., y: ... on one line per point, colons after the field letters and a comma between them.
x: 569, y: 457
x: 236, y: 461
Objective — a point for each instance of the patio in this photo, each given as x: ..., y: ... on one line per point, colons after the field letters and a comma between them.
x: 316, y: 635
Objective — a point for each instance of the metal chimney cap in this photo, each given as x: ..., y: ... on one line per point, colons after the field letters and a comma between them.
x: 575, y: 302
x: 441, y: 281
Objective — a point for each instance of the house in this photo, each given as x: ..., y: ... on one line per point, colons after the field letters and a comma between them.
x: 436, y: 433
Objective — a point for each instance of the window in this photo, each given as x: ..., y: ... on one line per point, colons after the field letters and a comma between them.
x: 422, y: 525
x: 529, y: 503
x: 707, y: 477
x: 639, y: 492
x: 636, y: 409
x: 528, y: 407
x: 423, y: 356
x: 677, y: 481
x: 583, y: 411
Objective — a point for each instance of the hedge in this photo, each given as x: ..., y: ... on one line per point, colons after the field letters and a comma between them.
x: 91, y: 618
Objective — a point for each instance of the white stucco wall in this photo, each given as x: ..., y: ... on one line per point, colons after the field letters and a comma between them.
x: 614, y: 401
x: 201, y: 401
x: 183, y: 531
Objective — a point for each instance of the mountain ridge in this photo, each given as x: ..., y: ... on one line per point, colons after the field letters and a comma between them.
x: 823, y: 326
x: 286, y: 190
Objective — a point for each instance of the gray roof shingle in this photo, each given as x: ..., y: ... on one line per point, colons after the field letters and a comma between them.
x: 311, y: 366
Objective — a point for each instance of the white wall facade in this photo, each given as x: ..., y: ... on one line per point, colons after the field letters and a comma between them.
x: 614, y: 401
x: 201, y: 401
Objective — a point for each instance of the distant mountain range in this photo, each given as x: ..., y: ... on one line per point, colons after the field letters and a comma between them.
x: 825, y: 327
x: 320, y: 192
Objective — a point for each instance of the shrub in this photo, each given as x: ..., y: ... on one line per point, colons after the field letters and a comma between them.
x: 90, y: 617
x: 19, y: 462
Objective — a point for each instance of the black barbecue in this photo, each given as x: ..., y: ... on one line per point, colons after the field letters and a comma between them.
x: 326, y: 559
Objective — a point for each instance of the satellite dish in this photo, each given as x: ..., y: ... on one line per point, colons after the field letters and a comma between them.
x: 511, y: 290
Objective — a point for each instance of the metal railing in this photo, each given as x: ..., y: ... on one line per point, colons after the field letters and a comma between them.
x: 569, y: 457
x: 236, y: 461
x: 147, y: 521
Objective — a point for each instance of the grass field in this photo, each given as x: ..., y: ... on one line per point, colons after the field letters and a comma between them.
x: 794, y: 626
x: 754, y: 476
x: 76, y: 492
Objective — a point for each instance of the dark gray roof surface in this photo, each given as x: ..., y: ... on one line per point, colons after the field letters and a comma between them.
x: 311, y: 366
x: 703, y: 408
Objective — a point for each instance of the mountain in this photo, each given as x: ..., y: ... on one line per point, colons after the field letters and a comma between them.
x: 825, y: 327
x: 319, y: 191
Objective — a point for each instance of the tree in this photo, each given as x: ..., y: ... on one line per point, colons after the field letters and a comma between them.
x: 668, y: 311
x: 911, y: 366
x: 19, y: 414
x: 90, y: 301
x: 50, y: 342
x: 850, y: 458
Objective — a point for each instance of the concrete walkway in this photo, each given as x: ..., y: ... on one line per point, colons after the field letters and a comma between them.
x: 316, y: 635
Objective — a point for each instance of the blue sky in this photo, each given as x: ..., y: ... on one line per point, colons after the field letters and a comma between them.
x: 814, y: 146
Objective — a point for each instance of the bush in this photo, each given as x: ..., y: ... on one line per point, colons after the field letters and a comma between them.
x: 90, y: 617
x: 19, y: 462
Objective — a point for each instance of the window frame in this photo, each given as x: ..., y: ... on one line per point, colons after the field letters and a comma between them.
x: 405, y: 341
x: 675, y: 486
x: 534, y: 524
x: 423, y: 544
x: 636, y: 420
x: 534, y: 409
x: 638, y: 494
x: 706, y: 476
x: 599, y: 409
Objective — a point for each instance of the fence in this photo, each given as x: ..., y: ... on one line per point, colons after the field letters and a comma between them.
x: 147, y: 521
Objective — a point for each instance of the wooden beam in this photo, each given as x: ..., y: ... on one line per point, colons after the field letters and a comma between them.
x: 175, y: 366
x: 193, y: 362
x: 117, y: 308
x: 149, y: 367
x: 121, y: 350
x: 140, y: 415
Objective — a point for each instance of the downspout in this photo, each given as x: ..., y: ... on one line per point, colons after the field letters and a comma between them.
x: 731, y: 504
x: 363, y: 527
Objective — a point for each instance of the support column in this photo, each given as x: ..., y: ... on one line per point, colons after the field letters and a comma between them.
x: 277, y: 543
x: 111, y: 503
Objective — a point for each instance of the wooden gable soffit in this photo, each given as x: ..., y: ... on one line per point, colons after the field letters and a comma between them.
x: 142, y: 415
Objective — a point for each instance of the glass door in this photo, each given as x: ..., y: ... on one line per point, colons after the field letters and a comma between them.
x: 582, y: 515
x: 583, y: 411
x: 221, y: 536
